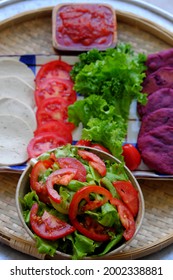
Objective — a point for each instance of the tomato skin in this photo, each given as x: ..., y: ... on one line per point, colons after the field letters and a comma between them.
x: 55, y: 68
x: 68, y: 162
x: 83, y: 142
x: 100, y: 147
x: 48, y: 226
x: 44, y: 142
x: 54, y: 87
x: 61, y: 129
x: 126, y: 218
x: 81, y: 194
x: 88, y: 143
x: 61, y: 177
x: 128, y: 194
x: 51, y: 109
x: 131, y: 156
x: 39, y: 168
x: 96, y: 162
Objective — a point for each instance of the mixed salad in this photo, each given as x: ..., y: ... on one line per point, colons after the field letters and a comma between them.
x: 79, y: 204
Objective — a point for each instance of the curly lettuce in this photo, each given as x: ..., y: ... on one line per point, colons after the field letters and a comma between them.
x: 109, y: 81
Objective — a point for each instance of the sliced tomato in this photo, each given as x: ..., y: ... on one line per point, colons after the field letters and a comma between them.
x: 36, y: 184
x: 131, y: 156
x: 100, y: 147
x: 48, y: 226
x: 68, y: 162
x: 128, y: 194
x: 54, y: 87
x: 90, y: 229
x: 88, y: 143
x: 59, y: 177
x: 126, y: 218
x: 55, y: 68
x: 83, y: 142
x: 51, y: 109
x: 95, y: 161
x: 44, y: 142
x: 61, y: 129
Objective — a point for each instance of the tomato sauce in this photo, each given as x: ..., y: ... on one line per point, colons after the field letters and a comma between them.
x: 85, y: 26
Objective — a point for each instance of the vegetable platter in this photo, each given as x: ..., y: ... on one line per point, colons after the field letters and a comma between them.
x: 31, y: 34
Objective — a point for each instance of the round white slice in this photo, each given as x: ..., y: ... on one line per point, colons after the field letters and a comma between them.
x: 11, y: 106
x: 15, y: 135
x: 11, y: 67
x: 14, y: 87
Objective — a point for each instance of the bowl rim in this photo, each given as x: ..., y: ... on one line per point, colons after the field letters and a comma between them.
x: 138, y: 220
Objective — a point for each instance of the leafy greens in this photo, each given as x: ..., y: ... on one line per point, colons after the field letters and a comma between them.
x: 109, y: 81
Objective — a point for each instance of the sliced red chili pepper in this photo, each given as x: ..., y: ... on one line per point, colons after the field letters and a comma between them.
x: 48, y: 226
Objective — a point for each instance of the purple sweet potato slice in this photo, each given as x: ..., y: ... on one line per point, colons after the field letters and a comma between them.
x: 159, y: 59
x: 163, y: 116
x: 161, y: 78
x: 162, y: 98
x: 156, y: 149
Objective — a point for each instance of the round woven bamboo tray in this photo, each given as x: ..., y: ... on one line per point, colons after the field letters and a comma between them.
x: 31, y: 33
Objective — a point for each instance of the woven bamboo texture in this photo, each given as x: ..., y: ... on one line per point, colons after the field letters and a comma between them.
x: 31, y: 33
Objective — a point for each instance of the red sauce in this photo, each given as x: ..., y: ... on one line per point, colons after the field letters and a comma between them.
x: 86, y: 25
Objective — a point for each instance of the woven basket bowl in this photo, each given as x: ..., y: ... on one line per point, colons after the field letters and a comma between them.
x: 23, y: 187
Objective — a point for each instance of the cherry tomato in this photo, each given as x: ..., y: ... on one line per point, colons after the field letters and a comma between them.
x: 128, y: 194
x: 96, y: 162
x: 131, y: 156
x: 54, y: 87
x: 44, y: 142
x: 92, y: 229
x: 51, y: 109
x: 56, y: 68
x: 60, y: 177
x: 61, y: 129
x: 48, y: 226
x: 36, y: 184
x: 126, y: 218
x: 68, y: 162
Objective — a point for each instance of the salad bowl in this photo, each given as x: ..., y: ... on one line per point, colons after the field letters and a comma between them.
x: 98, y: 191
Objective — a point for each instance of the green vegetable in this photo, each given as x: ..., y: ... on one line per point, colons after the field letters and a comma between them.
x: 109, y: 81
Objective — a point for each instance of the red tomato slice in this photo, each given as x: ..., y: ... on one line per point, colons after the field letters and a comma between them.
x: 100, y: 147
x: 131, y: 156
x: 96, y: 162
x: 126, y: 218
x: 48, y: 226
x: 61, y: 129
x: 39, y: 168
x: 128, y: 194
x: 83, y: 142
x: 54, y: 87
x: 51, y: 109
x: 59, y: 177
x: 69, y: 162
x: 56, y: 68
x: 92, y: 230
x: 44, y: 142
